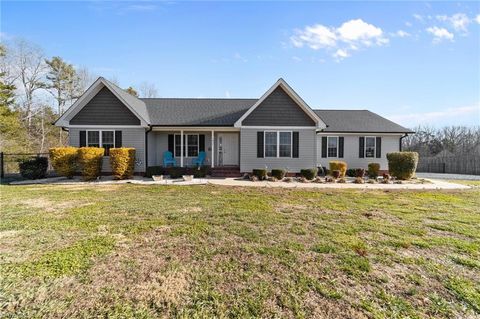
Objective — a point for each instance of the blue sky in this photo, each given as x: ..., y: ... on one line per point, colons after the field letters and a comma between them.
x: 413, y: 62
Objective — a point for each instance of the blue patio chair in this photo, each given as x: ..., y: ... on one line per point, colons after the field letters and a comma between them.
x: 168, y: 159
x: 200, y: 159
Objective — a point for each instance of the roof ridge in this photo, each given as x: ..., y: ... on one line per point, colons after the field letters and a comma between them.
x: 199, y: 98
x: 342, y: 110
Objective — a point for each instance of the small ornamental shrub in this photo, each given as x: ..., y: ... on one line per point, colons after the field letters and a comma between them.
x: 351, y: 172
x: 321, y: 171
x: 122, y: 162
x: 318, y: 180
x: 342, y: 180
x: 278, y: 173
x: 309, y: 173
x: 90, y: 159
x: 200, y: 172
x: 272, y: 179
x: 175, y: 172
x: 340, y: 166
x: 64, y: 160
x: 261, y: 173
x: 372, y: 181
x: 358, y: 180
x: 336, y: 173
x: 253, y: 178
x: 360, y: 172
x: 329, y: 179
x: 154, y: 170
x: 34, y: 168
x: 373, y: 169
x: 402, y: 165
x: 303, y: 179
x: 386, y: 178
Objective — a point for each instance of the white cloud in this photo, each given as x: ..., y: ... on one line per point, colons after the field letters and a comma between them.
x: 478, y: 18
x: 458, y: 21
x: 352, y: 35
x: 453, y: 115
x: 408, y: 24
x: 401, y: 34
x: 239, y: 57
x: 296, y: 59
x: 418, y: 17
x: 440, y: 34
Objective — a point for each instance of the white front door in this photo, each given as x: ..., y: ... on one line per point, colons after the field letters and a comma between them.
x: 227, y: 149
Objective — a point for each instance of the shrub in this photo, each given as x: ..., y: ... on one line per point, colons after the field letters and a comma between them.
x: 64, y: 160
x: 122, y: 162
x: 278, y: 173
x: 260, y: 173
x: 351, y: 172
x: 176, y: 172
x: 338, y: 165
x: 329, y: 179
x: 336, y: 173
x: 34, y: 168
x: 154, y: 170
x: 342, y: 180
x: 360, y: 172
x: 90, y: 159
x: 386, y: 178
x: 200, y: 172
x: 318, y: 180
x: 372, y: 181
x: 303, y: 179
x: 272, y: 179
x: 402, y: 165
x: 288, y: 179
x: 253, y: 178
x: 309, y: 173
x: 373, y: 169
x: 358, y: 180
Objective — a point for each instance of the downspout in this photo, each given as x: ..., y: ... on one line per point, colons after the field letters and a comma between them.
x: 400, y: 141
x: 150, y: 128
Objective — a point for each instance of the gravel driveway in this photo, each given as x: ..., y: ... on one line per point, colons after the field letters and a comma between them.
x: 448, y: 176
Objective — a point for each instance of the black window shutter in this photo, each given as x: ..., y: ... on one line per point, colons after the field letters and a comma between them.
x: 171, y: 147
x: 118, y: 138
x: 201, y: 142
x: 340, y: 147
x: 378, y: 147
x: 295, y: 145
x: 361, y: 147
x: 324, y: 146
x: 260, y: 144
x: 83, y: 138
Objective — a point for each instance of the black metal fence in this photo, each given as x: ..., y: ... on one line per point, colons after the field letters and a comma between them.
x: 9, y: 162
x: 461, y: 164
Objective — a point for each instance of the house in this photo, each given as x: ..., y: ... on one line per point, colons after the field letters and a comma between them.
x: 278, y: 130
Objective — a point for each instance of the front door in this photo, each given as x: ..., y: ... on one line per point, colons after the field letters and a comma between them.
x: 227, y: 149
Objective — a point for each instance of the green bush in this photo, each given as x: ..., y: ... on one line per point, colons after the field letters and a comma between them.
x: 402, y: 165
x: 176, y: 172
x: 351, y: 172
x: 64, y: 160
x: 122, y: 162
x: 154, y: 170
x: 90, y: 159
x: 340, y: 166
x: 373, y: 169
x: 260, y: 173
x: 278, y: 173
x: 309, y: 173
x: 199, y: 172
x: 360, y: 172
x: 34, y: 168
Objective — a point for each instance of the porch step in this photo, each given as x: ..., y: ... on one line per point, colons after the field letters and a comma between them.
x: 226, y: 171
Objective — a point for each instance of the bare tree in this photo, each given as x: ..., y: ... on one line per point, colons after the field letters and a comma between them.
x: 85, y: 79
x: 148, y: 90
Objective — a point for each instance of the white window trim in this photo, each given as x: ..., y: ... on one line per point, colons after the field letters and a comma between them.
x: 185, y: 145
x: 278, y: 144
x: 100, y: 142
x: 336, y: 155
x: 374, y: 147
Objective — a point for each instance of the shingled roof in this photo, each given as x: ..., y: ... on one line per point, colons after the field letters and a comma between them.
x: 358, y: 121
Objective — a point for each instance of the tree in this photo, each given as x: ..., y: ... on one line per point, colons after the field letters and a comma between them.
x: 148, y: 90
x: 7, y: 90
x: 131, y: 91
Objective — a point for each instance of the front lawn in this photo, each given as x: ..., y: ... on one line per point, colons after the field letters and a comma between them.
x: 140, y: 251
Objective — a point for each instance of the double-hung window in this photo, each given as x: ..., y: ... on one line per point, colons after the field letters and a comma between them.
x: 278, y: 144
x: 190, y: 145
x: 370, y: 146
x: 332, y: 146
x: 105, y: 139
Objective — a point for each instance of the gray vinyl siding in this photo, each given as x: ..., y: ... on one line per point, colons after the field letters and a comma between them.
x: 278, y: 109
x: 105, y: 109
x: 131, y: 137
x: 250, y: 161
x: 390, y: 143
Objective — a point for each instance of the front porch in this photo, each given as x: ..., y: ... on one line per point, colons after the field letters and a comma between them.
x: 221, y: 147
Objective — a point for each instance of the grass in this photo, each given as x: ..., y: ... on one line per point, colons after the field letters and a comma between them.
x: 124, y: 251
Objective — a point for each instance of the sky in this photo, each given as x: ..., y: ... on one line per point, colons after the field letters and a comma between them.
x: 412, y: 62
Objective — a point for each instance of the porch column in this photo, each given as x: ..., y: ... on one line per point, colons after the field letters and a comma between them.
x: 181, y: 148
x: 213, y: 149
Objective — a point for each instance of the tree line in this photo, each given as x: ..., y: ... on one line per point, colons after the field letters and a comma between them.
x: 35, y: 90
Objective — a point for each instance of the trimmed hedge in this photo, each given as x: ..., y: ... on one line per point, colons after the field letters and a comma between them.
x: 351, y: 172
x: 64, y: 160
x: 122, y: 162
x: 402, y: 165
x: 177, y: 172
x: 260, y: 173
x: 34, y: 168
x: 278, y: 173
x: 373, y: 169
x: 90, y: 159
x: 309, y: 173
x: 340, y: 166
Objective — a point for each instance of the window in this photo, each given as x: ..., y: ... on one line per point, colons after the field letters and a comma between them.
x: 285, y: 144
x: 369, y: 146
x: 190, y: 145
x: 332, y: 146
x: 105, y: 139
x: 270, y: 144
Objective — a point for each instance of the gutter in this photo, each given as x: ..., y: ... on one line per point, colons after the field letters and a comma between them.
x: 146, y: 146
x: 400, y: 141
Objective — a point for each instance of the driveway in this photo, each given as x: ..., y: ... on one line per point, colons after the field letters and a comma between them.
x: 448, y: 176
